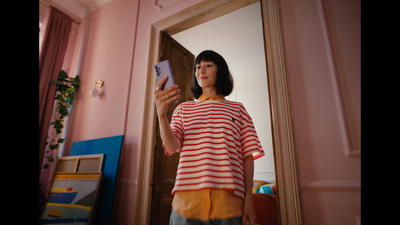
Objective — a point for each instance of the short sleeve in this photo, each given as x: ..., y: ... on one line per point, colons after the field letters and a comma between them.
x: 176, y: 127
x: 249, y: 141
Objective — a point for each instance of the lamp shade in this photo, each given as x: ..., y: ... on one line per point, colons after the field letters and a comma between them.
x: 94, y: 93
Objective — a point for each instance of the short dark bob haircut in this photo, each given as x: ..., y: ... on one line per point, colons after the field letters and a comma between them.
x: 224, y: 83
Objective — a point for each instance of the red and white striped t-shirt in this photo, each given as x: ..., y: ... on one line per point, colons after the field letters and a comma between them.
x: 214, y: 138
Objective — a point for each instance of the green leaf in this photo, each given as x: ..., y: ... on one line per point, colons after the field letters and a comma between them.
x: 52, y: 147
x: 50, y: 159
x: 63, y: 74
x: 57, y: 124
x: 60, y: 97
x: 46, y: 166
x: 62, y: 109
x: 60, y: 140
x: 52, y: 82
x: 69, y: 90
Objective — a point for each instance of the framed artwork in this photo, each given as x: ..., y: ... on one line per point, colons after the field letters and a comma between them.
x: 72, y: 198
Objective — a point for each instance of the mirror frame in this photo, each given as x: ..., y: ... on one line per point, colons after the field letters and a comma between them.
x: 286, y: 170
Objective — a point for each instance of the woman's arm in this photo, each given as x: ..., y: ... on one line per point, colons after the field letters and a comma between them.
x: 168, y: 137
x: 163, y: 99
x: 248, y: 208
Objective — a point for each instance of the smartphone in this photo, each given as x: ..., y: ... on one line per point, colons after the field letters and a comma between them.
x: 163, y: 69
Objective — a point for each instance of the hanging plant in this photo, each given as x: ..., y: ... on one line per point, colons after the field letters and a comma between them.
x: 66, y: 88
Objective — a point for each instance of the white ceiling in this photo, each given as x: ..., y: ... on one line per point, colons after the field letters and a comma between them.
x: 80, y: 8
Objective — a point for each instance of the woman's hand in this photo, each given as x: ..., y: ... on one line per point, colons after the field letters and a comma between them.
x: 248, y: 208
x: 249, y: 214
x: 165, y: 97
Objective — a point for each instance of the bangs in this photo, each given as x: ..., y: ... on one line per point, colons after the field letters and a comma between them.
x: 208, y: 56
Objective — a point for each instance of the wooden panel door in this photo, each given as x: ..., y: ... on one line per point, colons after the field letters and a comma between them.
x: 165, y: 167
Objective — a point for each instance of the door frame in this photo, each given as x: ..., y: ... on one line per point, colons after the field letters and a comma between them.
x: 286, y: 170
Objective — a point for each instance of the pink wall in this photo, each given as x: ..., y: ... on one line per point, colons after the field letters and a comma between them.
x: 322, y: 49
x: 104, y: 52
x: 322, y: 42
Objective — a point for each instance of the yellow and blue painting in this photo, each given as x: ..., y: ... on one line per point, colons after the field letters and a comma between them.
x: 71, y: 199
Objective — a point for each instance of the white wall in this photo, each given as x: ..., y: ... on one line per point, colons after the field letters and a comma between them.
x: 238, y: 37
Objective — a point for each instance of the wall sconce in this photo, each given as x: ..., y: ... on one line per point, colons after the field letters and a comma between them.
x: 94, y: 93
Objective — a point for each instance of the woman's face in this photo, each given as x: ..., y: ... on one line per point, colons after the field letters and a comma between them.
x: 206, y: 74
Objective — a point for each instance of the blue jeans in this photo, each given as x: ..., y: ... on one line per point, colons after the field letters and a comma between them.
x: 176, y: 219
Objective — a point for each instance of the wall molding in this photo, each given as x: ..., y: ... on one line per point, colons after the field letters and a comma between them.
x: 162, y: 5
x: 340, y: 108
x: 265, y: 171
x: 331, y: 185
x: 267, y: 175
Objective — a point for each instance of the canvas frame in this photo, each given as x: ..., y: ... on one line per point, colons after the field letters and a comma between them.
x: 69, y: 164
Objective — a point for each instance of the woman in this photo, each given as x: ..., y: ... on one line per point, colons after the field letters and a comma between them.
x: 217, y: 143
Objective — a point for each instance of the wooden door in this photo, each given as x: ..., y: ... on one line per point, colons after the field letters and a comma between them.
x: 165, y: 167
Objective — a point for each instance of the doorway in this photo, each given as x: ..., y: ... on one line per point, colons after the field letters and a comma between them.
x: 279, y: 98
x: 238, y: 37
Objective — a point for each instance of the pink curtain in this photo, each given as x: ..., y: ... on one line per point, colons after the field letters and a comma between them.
x: 57, y: 27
